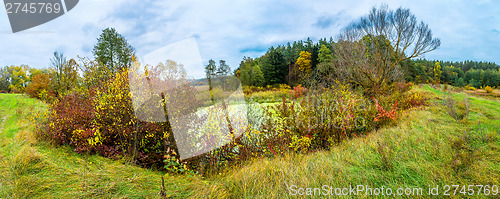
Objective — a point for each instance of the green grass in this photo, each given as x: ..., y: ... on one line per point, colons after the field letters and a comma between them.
x: 36, y: 169
x: 426, y: 148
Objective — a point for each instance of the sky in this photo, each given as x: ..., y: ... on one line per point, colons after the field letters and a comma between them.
x: 230, y: 30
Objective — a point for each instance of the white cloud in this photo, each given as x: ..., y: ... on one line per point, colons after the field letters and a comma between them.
x: 230, y: 30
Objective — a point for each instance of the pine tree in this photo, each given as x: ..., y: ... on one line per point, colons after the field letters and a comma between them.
x: 325, y: 54
x: 223, y: 69
x: 274, y: 67
x: 112, y: 50
x: 210, y: 72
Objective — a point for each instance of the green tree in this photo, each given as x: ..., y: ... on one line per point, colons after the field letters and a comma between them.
x: 495, y: 79
x: 222, y: 74
x: 454, y: 78
x: 475, y: 83
x: 246, y: 66
x: 210, y: 71
x: 5, y: 73
x: 19, y: 78
x: 113, y: 51
x: 470, y: 74
x: 325, y: 54
x: 325, y: 58
x: 257, y: 76
x: 274, y: 67
x: 223, y: 69
x: 460, y: 82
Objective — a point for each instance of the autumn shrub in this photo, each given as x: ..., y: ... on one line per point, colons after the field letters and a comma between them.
x: 300, y: 144
x: 71, y: 114
x: 384, y: 115
x: 103, y: 121
x: 48, y: 96
x: 413, y: 99
x: 316, y: 121
x: 298, y: 91
x: 248, y: 90
x: 39, y: 83
x: 402, y: 86
x: 268, y: 95
x: 488, y: 89
x: 471, y: 88
x: 283, y: 90
x: 401, y: 94
x: 15, y: 89
x: 396, y: 92
x: 263, y: 96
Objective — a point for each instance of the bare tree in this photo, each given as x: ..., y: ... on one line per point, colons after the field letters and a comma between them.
x: 65, y: 73
x: 370, y: 49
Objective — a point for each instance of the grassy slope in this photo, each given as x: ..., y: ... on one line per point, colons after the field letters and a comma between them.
x: 427, y: 147
x: 32, y: 169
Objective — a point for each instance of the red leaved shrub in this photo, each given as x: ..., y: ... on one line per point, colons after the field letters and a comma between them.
x: 72, y: 113
x: 385, y: 115
x: 102, y: 120
x: 298, y: 91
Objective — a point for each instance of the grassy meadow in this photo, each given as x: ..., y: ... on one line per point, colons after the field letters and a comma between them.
x: 30, y: 168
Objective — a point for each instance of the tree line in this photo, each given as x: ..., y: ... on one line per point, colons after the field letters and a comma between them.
x: 473, y: 73
x: 112, y: 54
x: 306, y: 62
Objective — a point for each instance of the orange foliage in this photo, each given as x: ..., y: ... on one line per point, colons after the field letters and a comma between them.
x: 39, y: 83
x: 384, y: 114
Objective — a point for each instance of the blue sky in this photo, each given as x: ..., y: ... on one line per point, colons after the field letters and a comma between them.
x: 229, y: 30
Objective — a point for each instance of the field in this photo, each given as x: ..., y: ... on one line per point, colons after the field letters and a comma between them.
x: 33, y: 169
x: 427, y: 148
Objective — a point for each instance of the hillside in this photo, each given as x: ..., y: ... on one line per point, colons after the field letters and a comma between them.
x: 426, y: 148
x: 35, y: 169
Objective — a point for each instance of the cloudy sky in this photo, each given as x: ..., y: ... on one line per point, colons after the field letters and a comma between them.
x: 229, y: 30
